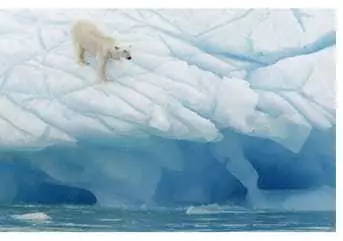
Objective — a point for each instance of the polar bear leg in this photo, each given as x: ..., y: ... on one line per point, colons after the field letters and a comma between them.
x: 80, y: 52
x: 101, y: 68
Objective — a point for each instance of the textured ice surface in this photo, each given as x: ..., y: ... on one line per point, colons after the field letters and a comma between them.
x: 215, y: 105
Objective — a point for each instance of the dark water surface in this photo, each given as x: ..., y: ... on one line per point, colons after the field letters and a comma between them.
x: 91, y: 218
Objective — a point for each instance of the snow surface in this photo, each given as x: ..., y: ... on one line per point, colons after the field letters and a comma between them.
x: 213, y: 106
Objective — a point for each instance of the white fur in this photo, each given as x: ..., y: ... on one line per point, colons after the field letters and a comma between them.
x: 87, y: 37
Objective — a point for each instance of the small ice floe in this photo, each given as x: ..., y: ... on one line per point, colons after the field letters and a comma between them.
x: 38, y: 216
x: 208, y: 209
x: 212, y: 209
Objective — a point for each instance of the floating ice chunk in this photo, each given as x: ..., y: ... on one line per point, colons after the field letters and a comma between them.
x: 212, y: 209
x: 38, y: 216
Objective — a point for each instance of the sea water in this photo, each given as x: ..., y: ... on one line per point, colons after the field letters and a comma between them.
x: 150, y: 219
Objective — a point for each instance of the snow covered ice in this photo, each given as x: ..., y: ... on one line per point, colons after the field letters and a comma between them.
x: 216, y: 106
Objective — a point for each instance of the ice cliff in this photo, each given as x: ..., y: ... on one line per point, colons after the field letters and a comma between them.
x: 216, y: 106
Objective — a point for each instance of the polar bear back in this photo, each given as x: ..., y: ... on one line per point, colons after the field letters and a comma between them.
x: 91, y: 38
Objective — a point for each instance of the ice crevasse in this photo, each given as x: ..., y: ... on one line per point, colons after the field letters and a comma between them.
x: 216, y: 106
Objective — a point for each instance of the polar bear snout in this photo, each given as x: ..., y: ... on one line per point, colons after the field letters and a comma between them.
x: 126, y: 54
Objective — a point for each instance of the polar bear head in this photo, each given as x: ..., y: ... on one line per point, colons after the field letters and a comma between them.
x: 118, y: 52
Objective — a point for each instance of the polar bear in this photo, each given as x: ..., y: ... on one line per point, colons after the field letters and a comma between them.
x: 87, y: 37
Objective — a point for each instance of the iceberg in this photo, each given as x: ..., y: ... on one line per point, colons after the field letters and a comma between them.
x: 216, y: 106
